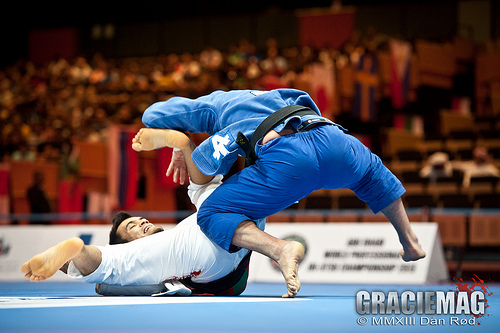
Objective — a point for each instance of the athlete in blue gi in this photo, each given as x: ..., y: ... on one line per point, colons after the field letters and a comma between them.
x: 299, y: 154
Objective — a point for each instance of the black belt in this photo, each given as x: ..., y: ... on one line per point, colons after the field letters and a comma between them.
x: 223, y: 284
x: 216, y: 287
x: 268, y: 124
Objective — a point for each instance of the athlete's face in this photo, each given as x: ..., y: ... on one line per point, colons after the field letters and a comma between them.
x: 136, y: 227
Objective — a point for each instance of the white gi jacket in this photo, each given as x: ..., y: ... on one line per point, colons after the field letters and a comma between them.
x: 178, y: 253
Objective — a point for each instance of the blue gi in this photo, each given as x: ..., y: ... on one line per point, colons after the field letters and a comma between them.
x: 288, y: 168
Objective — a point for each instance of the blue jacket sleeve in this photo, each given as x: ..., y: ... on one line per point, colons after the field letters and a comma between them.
x: 221, y: 114
x: 202, y: 115
x: 182, y: 114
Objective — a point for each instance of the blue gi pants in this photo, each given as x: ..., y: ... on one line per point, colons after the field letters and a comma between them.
x: 288, y: 169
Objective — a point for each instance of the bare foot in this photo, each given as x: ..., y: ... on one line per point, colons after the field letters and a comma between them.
x: 153, y: 138
x: 413, y: 253
x: 44, y: 265
x: 412, y: 250
x: 288, y: 262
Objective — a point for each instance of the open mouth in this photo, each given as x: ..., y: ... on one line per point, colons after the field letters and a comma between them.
x: 146, y: 229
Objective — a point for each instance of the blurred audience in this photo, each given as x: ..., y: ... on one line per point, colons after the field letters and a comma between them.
x: 45, y: 109
x: 479, y: 166
x: 41, y: 107
x: 438, y: 165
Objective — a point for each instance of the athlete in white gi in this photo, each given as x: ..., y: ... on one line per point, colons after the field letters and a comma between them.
x: 175, y: 254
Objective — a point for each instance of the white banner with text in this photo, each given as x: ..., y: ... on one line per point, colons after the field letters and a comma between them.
x: 335, y: 252
x: 355, y: 253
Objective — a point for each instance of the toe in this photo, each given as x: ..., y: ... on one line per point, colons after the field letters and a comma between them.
x: 25, y: 268
x: 136, y: 146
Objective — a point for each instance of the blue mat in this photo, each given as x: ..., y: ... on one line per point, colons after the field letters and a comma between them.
x: 74, y: 307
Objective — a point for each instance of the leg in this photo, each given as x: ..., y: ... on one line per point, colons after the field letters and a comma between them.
x: 152, y: 138
x: 276, y: 181
x: 396, y: 214
x: 376, y: 184
x: 288, y: 254
x: 44, y: 265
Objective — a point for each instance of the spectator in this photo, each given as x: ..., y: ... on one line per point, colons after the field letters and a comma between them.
x: 480, y: 166
x: 437, y: 166
x: 24, y: 153
x: 37, y: 197
x: 80, y: 71
x: 210, y: 58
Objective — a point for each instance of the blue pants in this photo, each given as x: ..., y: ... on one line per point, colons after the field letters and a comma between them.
x: 288, y: 169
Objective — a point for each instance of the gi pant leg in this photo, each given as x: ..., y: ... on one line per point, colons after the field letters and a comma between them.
x: 290, y: 168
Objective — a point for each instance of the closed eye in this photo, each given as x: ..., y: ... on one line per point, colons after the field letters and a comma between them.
x: 130, y: 225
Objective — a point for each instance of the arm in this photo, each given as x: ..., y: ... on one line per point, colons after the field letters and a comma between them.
x: 182, y: 161
x: 88, y: 260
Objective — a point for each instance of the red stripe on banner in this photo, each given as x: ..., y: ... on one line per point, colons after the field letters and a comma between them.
x: 114, y: 165
x: 396, y: 87
x: 164, y: 158
x: 132, y: 173
x: 70, y: 199
x: 4, y: 180
x: 400, y: 57
x: 4, y: 192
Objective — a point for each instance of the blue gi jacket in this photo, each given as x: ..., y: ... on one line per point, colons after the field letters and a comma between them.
x: 288, y: 168
x: 222, y: 115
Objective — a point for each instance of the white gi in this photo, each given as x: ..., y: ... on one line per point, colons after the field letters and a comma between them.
x: 174, y: 254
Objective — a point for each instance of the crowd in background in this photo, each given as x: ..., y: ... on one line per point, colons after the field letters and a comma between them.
x: 42, y: 107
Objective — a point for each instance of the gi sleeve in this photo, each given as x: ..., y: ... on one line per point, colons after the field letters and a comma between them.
x: 182, y: 114
x: 215, y: 155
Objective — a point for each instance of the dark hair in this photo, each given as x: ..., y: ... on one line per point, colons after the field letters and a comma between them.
x: 114, y: 238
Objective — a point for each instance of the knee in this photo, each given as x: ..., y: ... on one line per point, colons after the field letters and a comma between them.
x: 210, y: 217
x: 203, y: 216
